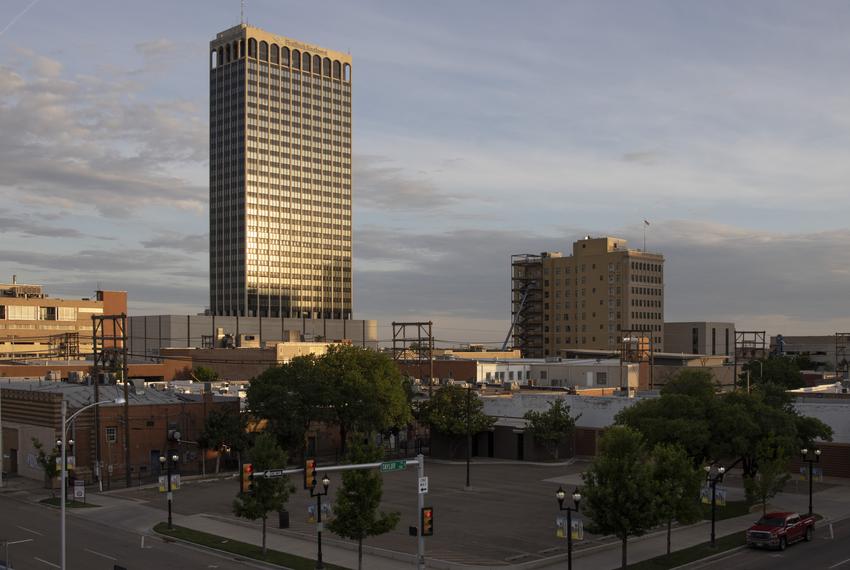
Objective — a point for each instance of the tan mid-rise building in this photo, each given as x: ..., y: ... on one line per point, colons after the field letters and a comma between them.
x: 34, y: 325
x: 602, y: 293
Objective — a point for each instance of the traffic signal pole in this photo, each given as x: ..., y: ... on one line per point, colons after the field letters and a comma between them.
x: 420, y: 539
x: 419, y: 462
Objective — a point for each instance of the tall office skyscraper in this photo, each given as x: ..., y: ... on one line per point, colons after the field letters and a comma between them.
x: 280, y: 177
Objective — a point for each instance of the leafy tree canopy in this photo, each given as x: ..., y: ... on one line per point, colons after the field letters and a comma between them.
x: 552, y: 427
x: 356, y: 510
x: 446, y: 412
x: 268, y: 494
x: 618, y: 486
x: 356, y: 389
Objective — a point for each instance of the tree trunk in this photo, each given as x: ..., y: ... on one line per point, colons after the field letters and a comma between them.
x: 625, y: 562
x: 343, y: 436
x: 264, y: 536
x: 360, y: 554
x: 217, y: 461
x: 669, y: 530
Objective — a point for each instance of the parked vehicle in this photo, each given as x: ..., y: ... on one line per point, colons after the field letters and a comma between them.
x: 778, y: 530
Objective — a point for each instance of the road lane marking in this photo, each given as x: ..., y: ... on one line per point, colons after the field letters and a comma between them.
x: 95, y: 552
x: 29, y: 530
x: 839, y: 564
x: 46, y: 562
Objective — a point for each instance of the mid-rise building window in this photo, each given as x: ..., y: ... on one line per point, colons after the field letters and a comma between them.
x: 111, y: 434
x: 602, y: 377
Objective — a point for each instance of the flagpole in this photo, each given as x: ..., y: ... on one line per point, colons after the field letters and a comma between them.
x: 644, y: 235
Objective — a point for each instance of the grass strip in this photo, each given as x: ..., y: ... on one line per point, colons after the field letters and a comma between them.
x: 240, y: 548
x: 54, y: 502
x: 692, y: 554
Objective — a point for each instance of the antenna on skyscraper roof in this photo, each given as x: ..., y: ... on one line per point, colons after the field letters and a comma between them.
x: 242, y: 12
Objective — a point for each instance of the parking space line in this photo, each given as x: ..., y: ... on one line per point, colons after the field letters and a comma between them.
x: 839, y: 564
x: 46, y: 562
x: 29, y: 530
x: 96, y: 553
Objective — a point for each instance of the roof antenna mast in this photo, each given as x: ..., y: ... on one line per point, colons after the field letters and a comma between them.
x: 242, y: 12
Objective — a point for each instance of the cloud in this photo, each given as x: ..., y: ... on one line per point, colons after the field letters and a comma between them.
x: 84, y: 142
x: 793, y: 283
x: 26, y: 226
x: 187, y: 243
x: 157, y: 47
x: 382, y: 185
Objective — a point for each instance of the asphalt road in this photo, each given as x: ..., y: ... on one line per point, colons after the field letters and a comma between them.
x: 92, y: 545
x: 823, y: 553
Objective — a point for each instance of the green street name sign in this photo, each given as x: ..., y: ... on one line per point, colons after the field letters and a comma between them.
x: 393, y: 466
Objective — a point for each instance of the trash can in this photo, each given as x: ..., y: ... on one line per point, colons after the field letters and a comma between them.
x: 283, y: 519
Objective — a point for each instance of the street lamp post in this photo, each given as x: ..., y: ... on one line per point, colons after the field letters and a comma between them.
x: 64, y: 467
x: 811, y: 460
x: 164, y: 462
x: 319, y: 494
x: 714, y: 477
x: 560, y: 494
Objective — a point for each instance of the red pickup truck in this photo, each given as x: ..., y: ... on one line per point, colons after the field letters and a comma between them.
x: 778, y: 530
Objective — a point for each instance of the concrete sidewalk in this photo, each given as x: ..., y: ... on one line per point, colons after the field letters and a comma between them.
x: 333, y: 551
x: 833, y: 504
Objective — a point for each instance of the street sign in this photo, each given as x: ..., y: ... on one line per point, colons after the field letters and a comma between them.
x: 270, y: 474
x: 393, y: 466
x: 423, y: 485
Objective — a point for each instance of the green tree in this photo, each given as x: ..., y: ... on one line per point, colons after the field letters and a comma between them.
x: 223, y: 429
x: 455, y: 411
x: 781, y: 370
x: 771, y: 476
x: 352, y: 388
x: 356, y: 514
x: 289, y: 397
x: 49, y: 463
x: 684, y: 415
x: 677, y: 485
x: 619, y: 487
x: 203, y: 374
x: 268, y: 494
x: 552, y: 427
x: 363, y: 392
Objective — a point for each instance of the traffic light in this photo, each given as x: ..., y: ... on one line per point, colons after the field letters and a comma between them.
x: 247, y: 478
x: 427, y: 521
x: 309, y: 473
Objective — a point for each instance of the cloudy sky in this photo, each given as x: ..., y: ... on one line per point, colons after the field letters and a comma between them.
x: 481, y: 129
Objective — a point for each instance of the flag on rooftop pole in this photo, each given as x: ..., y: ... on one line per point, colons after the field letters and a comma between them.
x: 646, y: 222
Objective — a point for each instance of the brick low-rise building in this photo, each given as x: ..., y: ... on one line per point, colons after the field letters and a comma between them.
x: 32, y: 409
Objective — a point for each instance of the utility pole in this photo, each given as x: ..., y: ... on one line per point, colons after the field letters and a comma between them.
x: 420, y: 539
x: 2, y: 452
x: 468, y: 431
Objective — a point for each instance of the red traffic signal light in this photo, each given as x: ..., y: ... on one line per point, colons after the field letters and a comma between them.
x: 427, y: 521
x: 247, y: 477
x: 309, y: 473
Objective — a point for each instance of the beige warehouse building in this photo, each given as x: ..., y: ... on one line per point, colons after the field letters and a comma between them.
x: 589, y: 299
x: 34, y: 325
